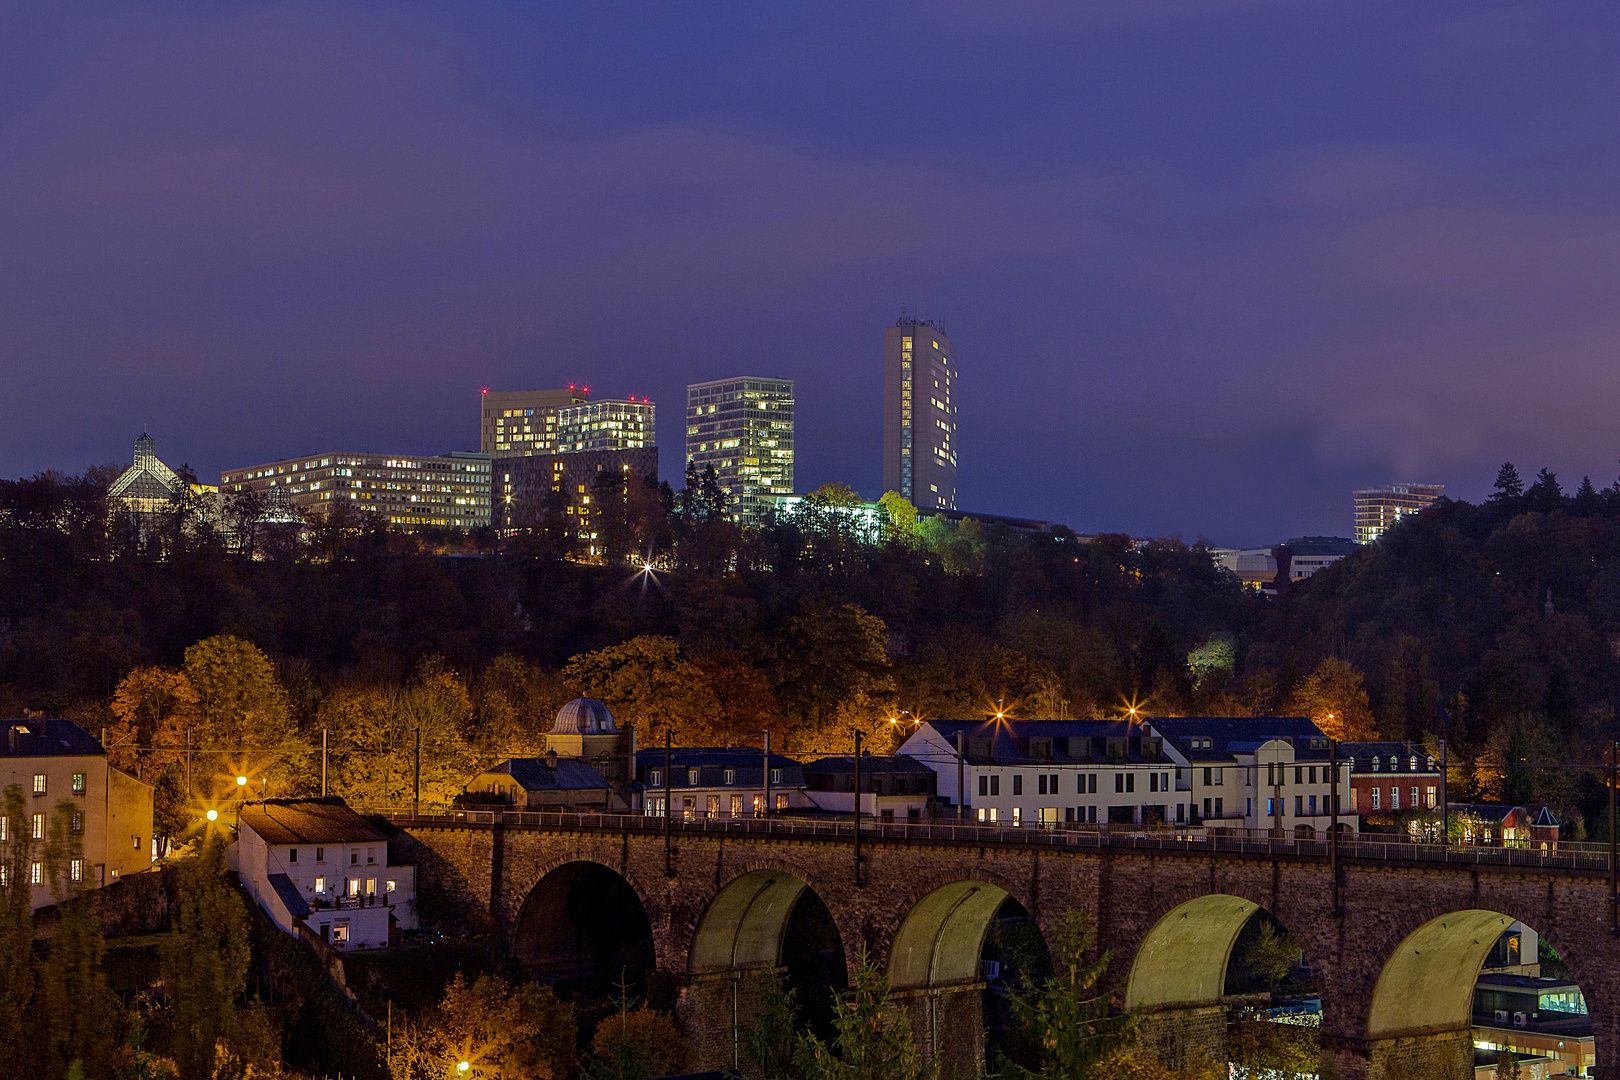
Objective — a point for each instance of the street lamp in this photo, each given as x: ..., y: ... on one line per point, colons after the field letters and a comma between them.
x: 213, y: 815
x: 463, y: 1067
x: 241, y: 781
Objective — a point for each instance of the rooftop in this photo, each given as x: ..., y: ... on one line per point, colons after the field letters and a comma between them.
x: 542, y: 774
x: 325, y: 820
x: 1230, y: 735
x: 894, y: 763
x: 688, y: 756
x: 37, y: 736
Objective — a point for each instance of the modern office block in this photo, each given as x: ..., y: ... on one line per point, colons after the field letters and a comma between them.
x: 520, y: 423
x: 1379, y: 508
x: 448, y: 489
x: 612, y: 424
x: 919, y: 414
x: 743, y: 429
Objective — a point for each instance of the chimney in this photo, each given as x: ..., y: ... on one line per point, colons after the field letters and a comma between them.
x: 551, y: 759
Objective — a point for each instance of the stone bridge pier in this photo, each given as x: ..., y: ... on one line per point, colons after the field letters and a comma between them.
x: 1395, y: 960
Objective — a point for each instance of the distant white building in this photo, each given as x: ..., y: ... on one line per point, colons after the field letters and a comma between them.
x: 1300, y: 558
x: 317, y: 863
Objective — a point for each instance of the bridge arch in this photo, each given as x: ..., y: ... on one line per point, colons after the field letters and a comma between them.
x: 767, y: 917
x: 935, y: 966
x: 585, y: 926
x: 1425, y: 993
x: 1183, y: 959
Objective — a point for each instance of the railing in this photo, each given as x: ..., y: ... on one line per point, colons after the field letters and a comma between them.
x: 1564, y: 855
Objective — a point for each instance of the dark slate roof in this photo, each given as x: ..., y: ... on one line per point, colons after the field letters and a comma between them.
x: 1504, y: 981
x: 1484, y: 811
x: 687, y: 756
x: 1322, y: 545
x: 1232, y: 735
x: 746, y: 763
x: 296, y: 905
x: 895, y: 763
x: 1009, y: 739
x: 534, y: 774
x: 40, y: 737
x: 1545, y: 820
x: 308, y: 821
x: 1402, y: 752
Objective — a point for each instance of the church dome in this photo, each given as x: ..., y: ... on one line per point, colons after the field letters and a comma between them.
x: 584, y: 716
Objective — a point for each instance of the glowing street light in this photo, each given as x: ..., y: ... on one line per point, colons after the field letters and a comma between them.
x: 213, y: 815
x: 241, y: 781
x: 463, y: 1067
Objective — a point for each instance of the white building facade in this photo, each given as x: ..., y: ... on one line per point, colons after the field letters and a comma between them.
x: 318, y: 863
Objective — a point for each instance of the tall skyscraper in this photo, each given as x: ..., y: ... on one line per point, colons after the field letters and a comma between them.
x: 522, y: 423
x: 743, y: 427
x: 1379, y: 508
x: 610, y: 424
x: 919, y: 414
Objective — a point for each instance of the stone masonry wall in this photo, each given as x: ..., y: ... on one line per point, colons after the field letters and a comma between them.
x: 485, y: 874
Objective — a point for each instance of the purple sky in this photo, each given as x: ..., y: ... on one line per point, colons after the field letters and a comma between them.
x: 1208, y: 264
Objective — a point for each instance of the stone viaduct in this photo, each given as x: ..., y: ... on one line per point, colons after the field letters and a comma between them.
x: 1396, y: 961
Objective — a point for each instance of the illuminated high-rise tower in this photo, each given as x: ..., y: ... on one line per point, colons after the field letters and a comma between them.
x: 919, y: 414
x: 743, y: 429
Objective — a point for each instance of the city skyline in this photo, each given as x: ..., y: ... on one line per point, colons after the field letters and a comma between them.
x: 1142, y: 243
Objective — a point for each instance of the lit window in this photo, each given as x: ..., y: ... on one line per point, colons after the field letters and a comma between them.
x: 320, y: 885
x: 354, y: 886
x: 38, y: 831
x: 78, y: 783
x: 39, y: 783
x: 76, y: 870
x: 36, y: 873
x: 391, y: 885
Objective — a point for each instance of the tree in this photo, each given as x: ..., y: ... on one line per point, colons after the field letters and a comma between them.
x: 1508, y: 486
x: 1271, y: 955
x: 645, y: 681
x: 829, y: 654
x: 496, y: 1029
x: 1507, y: 1066
x: 1279, y: 1051
x: 374, y: 730
x: 1072, y: 1022
x: 204, y: 962
x: 16, y: 936
x: 871, y: 1041
x: 74, y: 1003
x: 770, y: 1041
x: 1335, y: 699
x: 242, y: 710
x: 1587, y: 500
x: 899, y: 519
x: 154, y: 707
x: 1546, y: 494
x: 636, y: 1043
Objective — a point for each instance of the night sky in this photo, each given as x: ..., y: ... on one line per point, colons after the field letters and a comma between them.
x: 1208, y: 264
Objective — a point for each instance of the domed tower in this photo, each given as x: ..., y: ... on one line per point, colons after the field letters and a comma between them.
x: 584, y: 729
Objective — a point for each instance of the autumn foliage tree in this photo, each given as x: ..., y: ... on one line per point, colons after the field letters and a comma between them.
x: 1335, y: 699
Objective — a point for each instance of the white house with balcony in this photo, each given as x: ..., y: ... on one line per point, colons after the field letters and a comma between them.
x: 317, y: 863
x: 1263, y: 772
x: 1025, y: 773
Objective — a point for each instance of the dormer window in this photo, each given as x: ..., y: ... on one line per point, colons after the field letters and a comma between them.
x: 731, y: 776
x: 1414, y: 763
x: 655, y: 777
x: 691, y: 777
x: 1375, y: 764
